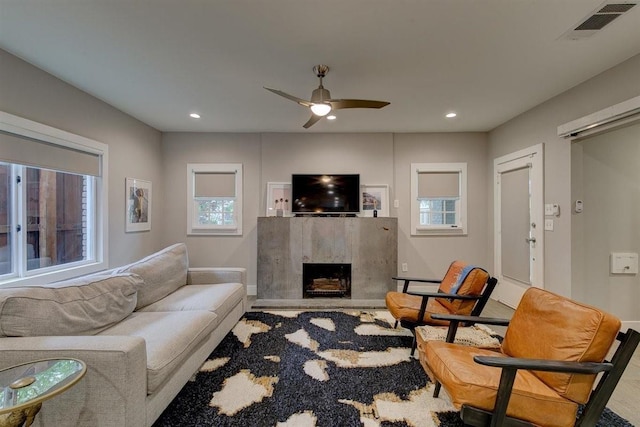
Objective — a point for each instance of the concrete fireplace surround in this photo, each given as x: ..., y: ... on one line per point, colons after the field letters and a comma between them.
x: 370, y: 245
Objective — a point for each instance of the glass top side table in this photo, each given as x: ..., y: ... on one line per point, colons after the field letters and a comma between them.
x: 24, y: 387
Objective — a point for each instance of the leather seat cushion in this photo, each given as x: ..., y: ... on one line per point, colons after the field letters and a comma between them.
x: 548, y: 326
x: 468, y: 382
x: 405, y: 307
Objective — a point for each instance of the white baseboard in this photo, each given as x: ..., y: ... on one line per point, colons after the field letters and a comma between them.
x: 633, y: 324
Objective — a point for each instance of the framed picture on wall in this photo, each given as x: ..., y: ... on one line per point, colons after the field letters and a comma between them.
x: 375, y: 197
x: 137, y: 205
x: 278, y: 199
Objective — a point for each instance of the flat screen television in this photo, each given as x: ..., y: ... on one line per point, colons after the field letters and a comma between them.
x: 325, y: 194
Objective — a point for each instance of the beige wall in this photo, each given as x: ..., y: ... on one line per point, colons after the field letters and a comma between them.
x: 539, y: 125
x: 607, y: 180
x: 429, y: 256
x: 134, y: 148
x: 139, y: 151
x: 380, y: 158
x: 178, y: 149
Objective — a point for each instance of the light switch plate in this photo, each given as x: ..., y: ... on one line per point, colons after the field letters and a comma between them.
x: 552, y: 209
x: 548, y: 209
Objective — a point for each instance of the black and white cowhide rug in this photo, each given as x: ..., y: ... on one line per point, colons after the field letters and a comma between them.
x: 305, y: 369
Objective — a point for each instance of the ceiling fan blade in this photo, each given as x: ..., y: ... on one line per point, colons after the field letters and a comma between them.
x: 291, y: 97
x: 339, y: 104
x: 312, y: 121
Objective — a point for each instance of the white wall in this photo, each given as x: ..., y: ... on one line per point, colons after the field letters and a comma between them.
x: 134, y: 148
x: 539, y: 125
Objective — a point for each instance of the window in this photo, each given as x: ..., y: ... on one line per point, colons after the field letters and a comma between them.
x: 438, y: 198
x: 52, y: 194
x: 215, y: 198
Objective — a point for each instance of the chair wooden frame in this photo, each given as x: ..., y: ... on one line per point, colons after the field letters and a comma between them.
x: 481, y: 301
x: 612, y: 372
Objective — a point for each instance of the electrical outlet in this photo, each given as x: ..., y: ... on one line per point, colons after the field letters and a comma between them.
x: 548, y: 224
x: 396, y: 203
x: 405, y: 267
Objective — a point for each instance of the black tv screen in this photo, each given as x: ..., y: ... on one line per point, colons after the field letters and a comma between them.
x: 319, y: 194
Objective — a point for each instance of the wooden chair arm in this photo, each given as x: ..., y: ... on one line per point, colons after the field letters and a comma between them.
x: 408, y: 280
x: 544, y: 364
x: 444, y: 295
x: 510, y: 366
x: 425, y: 300
x: 456, y: 319
x: 471, y: 319
x: 416, y: 279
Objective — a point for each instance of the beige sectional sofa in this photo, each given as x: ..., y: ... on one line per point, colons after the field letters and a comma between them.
x: 143, y: 330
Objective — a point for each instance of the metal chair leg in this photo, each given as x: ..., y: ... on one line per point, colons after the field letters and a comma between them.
x: 436, y: 389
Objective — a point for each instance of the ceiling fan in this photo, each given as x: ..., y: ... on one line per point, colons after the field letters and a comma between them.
x: 321, y: 102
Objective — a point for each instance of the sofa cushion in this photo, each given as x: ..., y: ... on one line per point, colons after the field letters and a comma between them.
x: 83, y: 306
x: 170, y: 338
x: 162, y: 272
x: 219, y: 298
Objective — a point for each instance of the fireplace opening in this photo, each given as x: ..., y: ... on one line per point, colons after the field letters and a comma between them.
x: 326, y: 280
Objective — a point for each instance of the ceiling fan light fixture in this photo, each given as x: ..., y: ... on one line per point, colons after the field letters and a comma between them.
x: 320, y: 109
x: 321, y: 102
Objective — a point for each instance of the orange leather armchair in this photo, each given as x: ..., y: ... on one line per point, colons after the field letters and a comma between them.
x: 550, y: 357
x: 464, y: 290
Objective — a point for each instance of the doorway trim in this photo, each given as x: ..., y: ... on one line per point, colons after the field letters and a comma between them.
x: 508, y: 292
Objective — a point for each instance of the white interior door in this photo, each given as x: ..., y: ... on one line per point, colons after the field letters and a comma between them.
x: 519, y: 223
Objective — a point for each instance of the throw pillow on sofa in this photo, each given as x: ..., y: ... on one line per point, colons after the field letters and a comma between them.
x: 162, y: 273
x: 82, y: 306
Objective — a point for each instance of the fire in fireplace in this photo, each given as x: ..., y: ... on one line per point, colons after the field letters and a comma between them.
x: 326, y: 280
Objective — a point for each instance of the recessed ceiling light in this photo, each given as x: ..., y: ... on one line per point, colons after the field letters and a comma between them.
x: 451, y: 115
x: 194, y: 115
x: 331, y: 117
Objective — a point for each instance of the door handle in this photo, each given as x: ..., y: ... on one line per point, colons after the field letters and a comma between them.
x: 530, y: 240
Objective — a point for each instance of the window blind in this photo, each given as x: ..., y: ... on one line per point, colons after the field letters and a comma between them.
x: 436, y: 185
x: 215, y: 184
x: 32, y: 152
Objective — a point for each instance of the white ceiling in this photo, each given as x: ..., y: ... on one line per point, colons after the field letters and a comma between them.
x: 159, y: 60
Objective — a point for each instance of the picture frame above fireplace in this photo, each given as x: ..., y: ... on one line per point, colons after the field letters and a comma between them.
x: 278, y: 201
x: 374, y: 197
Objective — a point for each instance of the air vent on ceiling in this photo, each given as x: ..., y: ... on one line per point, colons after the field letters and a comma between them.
x: 598, y: 19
